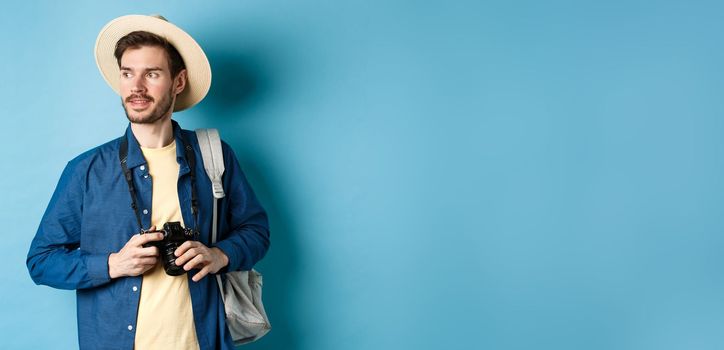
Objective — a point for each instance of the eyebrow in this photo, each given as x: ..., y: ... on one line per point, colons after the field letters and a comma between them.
x: 149, y: 69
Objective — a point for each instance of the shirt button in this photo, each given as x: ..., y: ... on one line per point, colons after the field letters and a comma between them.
x: 135, y: 289
x: 145, y: 176
x: 130, y: 328
x: 143, y: 167
x: 145, y: 211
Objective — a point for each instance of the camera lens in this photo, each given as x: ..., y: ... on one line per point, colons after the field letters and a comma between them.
x: 169, y: 263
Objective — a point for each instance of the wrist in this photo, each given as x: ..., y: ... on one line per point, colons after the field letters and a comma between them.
x: 111, y: 265
x: 224, y: 259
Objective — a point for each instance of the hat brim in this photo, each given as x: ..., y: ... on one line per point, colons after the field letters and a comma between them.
x: 197, y: 65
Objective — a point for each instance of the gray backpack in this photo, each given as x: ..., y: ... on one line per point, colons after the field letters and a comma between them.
x: 241, y: 292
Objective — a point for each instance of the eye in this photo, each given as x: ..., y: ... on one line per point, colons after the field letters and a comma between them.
x: 153, y: 75
x: 126, y: 74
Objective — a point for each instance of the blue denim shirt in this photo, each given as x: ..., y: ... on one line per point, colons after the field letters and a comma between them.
x: 89, y: 217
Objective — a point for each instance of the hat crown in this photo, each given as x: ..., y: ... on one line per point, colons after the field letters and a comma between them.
x: 159, y: 17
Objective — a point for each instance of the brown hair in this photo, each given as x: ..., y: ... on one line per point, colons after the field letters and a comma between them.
x: 137, y: 39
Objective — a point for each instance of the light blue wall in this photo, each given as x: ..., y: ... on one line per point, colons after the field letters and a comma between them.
x: 438, y: 175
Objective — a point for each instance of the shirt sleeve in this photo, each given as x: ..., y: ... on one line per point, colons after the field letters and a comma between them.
x: 248, y: 239
x: 55, y: 258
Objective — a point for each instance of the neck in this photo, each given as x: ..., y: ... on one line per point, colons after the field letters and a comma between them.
x: 156, y: 135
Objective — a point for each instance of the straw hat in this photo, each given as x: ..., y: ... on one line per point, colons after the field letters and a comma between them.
x: 197, y: 65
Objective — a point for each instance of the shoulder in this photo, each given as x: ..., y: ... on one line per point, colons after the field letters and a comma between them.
x: 100, y: 156
x: 226, y: 149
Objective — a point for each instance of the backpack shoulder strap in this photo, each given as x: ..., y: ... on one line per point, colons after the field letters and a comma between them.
x: 213, y: 158
x: 210, y: 145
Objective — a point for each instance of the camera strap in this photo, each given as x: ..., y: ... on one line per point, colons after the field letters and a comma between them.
x: 190, y: 159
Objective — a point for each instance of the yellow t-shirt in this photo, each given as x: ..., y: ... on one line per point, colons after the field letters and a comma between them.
x: 165, y: 318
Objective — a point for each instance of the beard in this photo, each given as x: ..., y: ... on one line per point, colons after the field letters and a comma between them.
x: 159, y: 111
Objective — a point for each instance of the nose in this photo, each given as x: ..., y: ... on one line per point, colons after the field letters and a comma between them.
x: 137, y: 85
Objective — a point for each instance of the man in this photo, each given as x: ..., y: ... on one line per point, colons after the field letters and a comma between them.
x: 89, y: 238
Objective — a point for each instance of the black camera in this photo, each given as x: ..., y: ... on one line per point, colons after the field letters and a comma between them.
x: 173, y: 236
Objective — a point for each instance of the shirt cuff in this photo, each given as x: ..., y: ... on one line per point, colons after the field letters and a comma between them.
x: 97, y: 265
x: 234, y: 260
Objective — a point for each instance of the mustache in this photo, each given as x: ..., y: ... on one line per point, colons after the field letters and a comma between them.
x: 141, y: 96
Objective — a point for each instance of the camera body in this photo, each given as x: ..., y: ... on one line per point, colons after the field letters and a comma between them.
x: 173, y: 236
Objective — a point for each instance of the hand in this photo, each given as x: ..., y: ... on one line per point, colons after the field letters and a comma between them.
x: 133, y: 259
x: 194, y: 254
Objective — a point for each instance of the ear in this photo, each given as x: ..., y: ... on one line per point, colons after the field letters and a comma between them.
x: 179, y: 83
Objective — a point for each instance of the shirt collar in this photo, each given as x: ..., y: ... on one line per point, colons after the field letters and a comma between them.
x: 135, y: 155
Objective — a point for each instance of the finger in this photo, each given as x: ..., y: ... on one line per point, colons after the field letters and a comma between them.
x: 185, y: 247
x: 149, y: 237
x: 146, y: 262
x: 143, y: 269
x: 149, y: 251
x: 141, y: 265
x: 201, y: 274
x: 188, y: 255
x: 197, y: 261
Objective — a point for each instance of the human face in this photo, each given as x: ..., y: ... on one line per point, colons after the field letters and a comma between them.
x: 148, y: 92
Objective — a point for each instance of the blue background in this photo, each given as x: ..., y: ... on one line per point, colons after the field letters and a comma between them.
x: 463, y: 175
